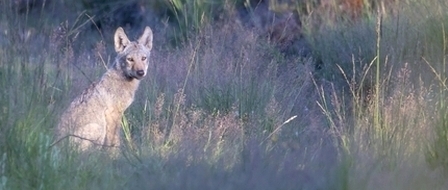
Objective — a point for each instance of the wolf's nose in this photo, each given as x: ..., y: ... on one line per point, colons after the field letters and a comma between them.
x: 140, y: 73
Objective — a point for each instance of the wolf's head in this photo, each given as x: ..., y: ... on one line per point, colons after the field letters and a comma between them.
x: 133, y: 56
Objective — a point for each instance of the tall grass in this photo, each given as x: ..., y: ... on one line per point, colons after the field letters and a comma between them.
x: 190, y: 17
x: 386, y: 118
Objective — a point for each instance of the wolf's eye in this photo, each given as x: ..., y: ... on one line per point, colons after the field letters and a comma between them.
x: 143, y: 58
x: 130, y: 59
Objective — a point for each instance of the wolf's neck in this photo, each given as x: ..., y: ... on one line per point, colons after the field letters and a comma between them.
x: 122, y: 89
x: 120, y: 81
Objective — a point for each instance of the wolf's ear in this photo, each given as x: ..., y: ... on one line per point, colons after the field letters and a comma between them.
x: 120, y: 40
x: 146, y: 38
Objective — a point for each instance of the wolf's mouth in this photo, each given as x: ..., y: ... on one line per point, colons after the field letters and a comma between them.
x: 139, y: 78
x: 139, y: 74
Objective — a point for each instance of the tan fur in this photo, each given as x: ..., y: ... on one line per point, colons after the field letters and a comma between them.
x: 93, y: 119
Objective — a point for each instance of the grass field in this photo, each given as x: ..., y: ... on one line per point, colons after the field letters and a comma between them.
x: 223, y: 108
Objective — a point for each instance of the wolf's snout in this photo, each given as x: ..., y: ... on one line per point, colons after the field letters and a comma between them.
x: 140, y: 73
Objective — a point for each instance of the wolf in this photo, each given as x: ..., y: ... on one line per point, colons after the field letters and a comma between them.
x: 93, y: 119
